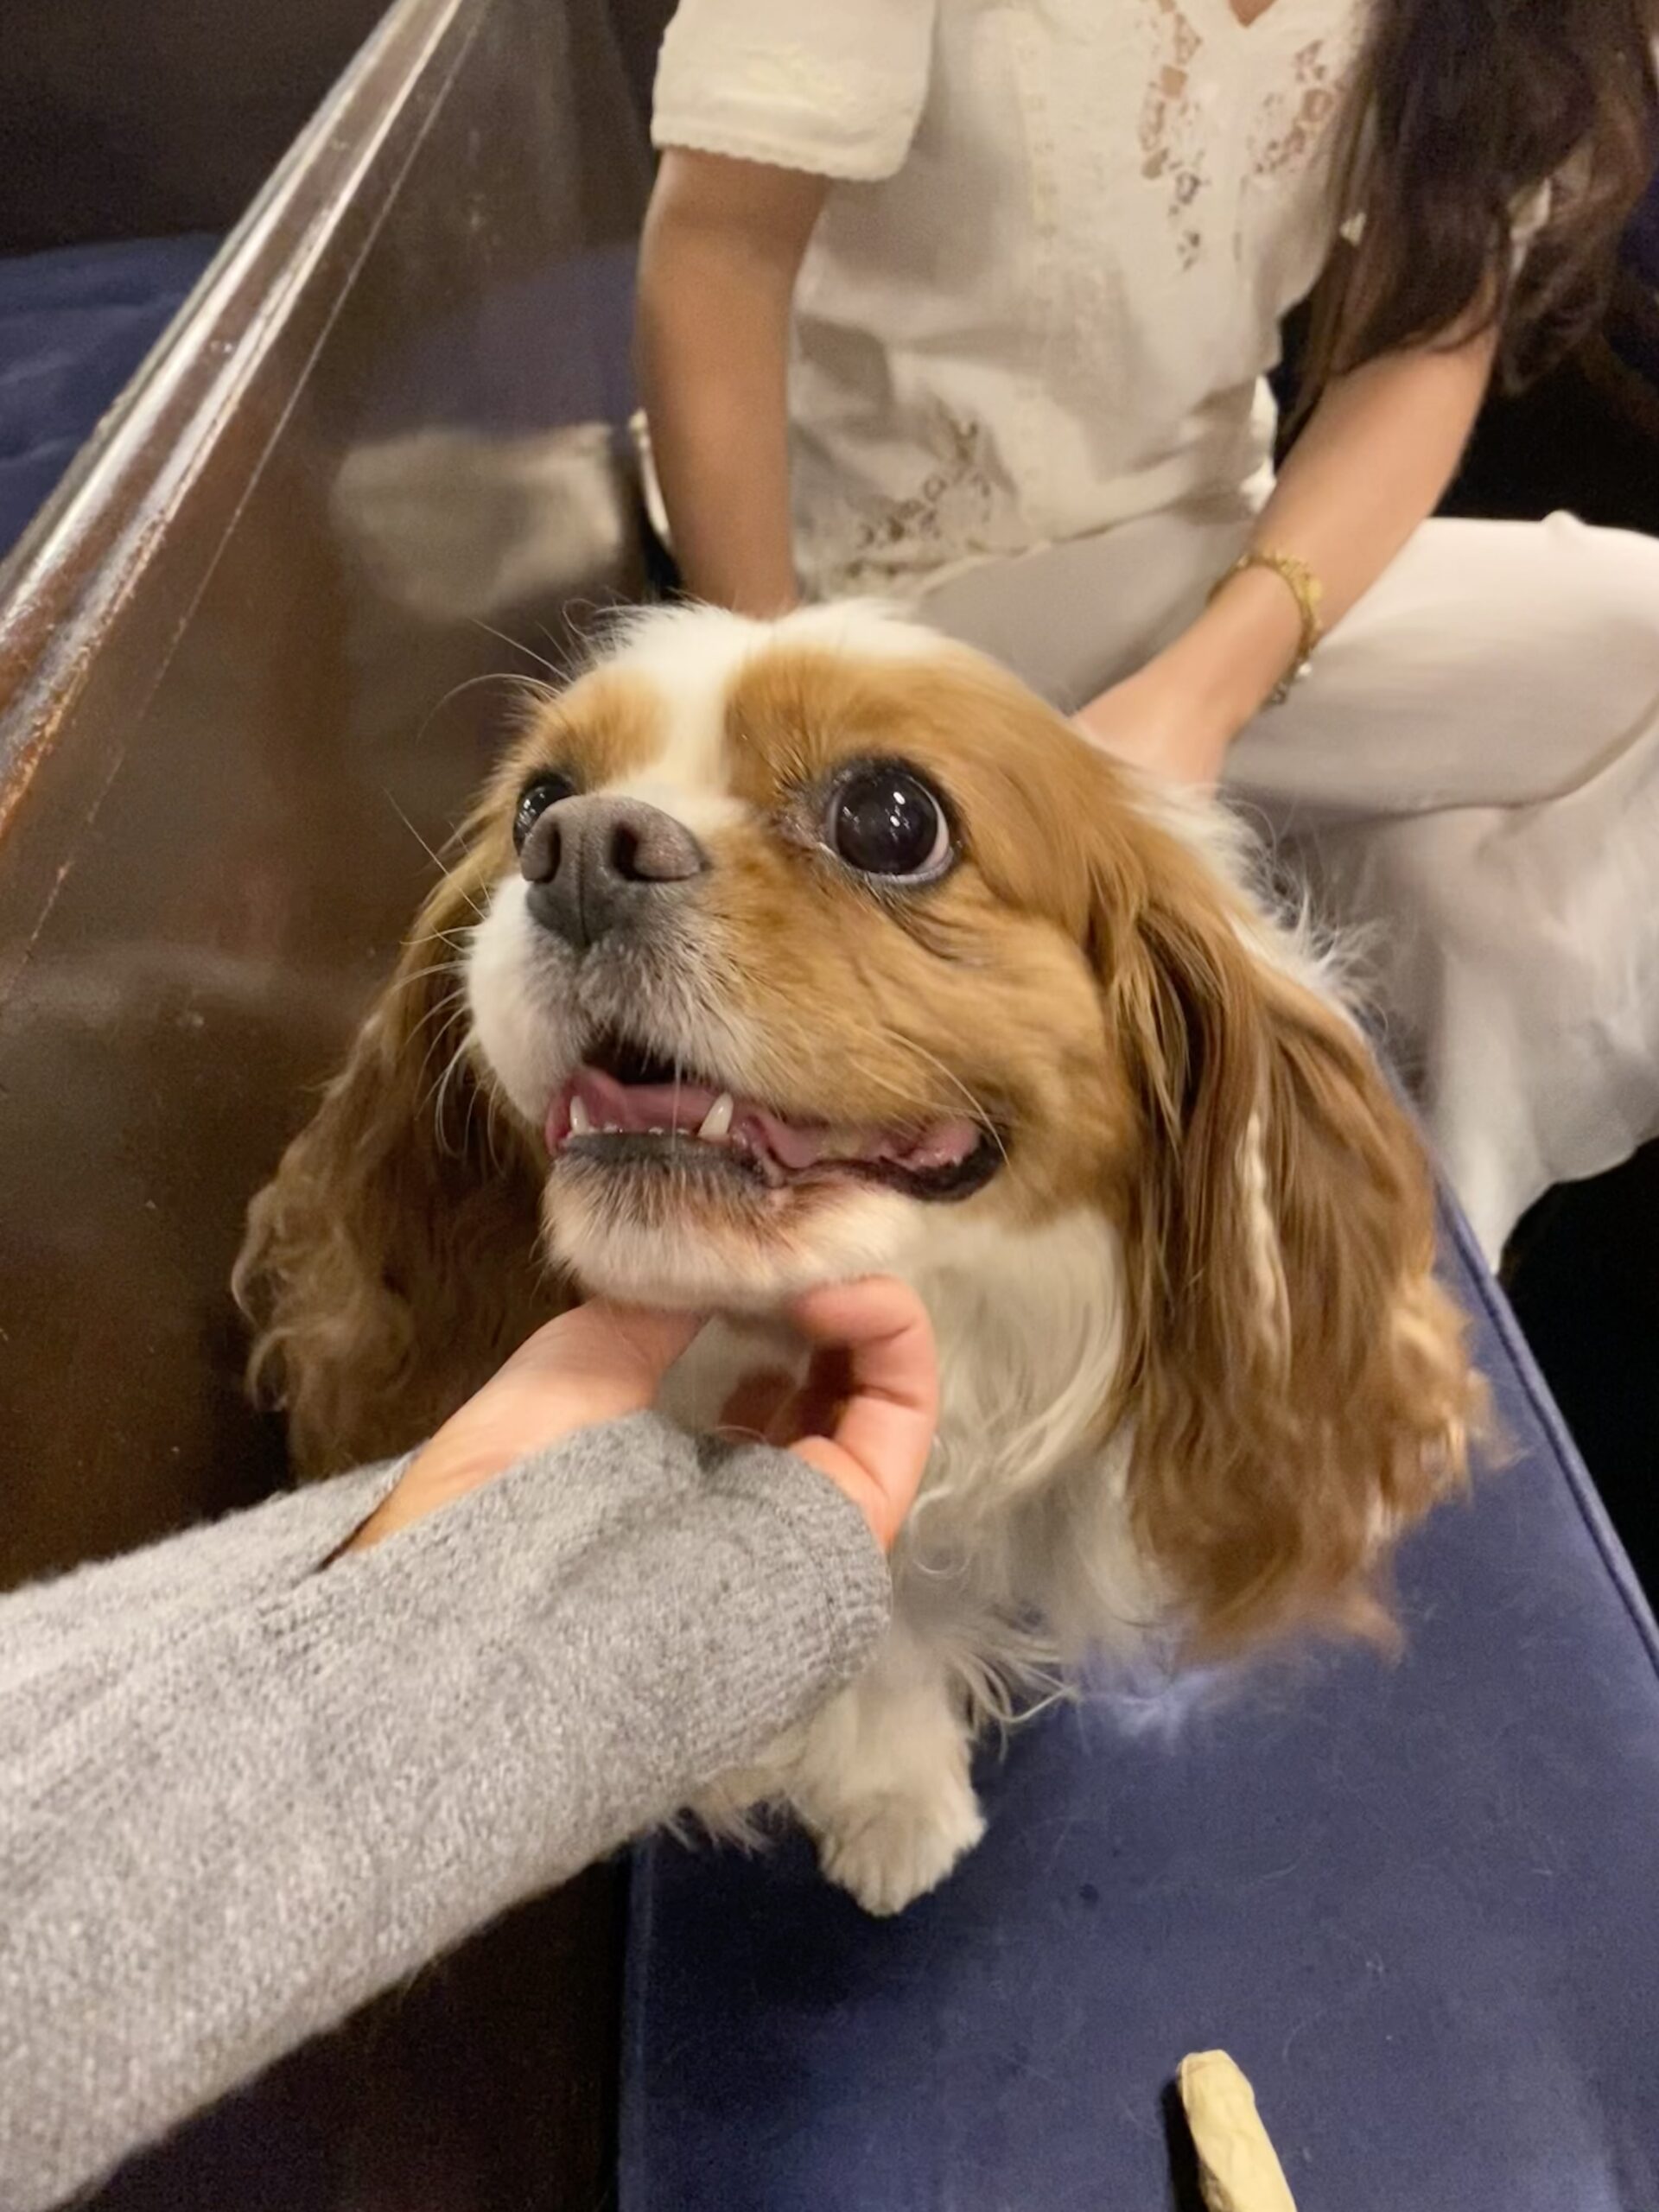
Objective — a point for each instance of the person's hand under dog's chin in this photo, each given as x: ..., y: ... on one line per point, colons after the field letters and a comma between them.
x: 864, y: 1417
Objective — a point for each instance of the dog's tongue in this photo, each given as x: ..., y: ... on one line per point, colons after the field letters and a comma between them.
x: 641, y: 1106
x: 639, y: 1109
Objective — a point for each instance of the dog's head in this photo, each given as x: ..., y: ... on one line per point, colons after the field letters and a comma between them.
x: 785, y: 952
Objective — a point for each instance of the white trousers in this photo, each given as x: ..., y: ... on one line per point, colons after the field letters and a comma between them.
x: 1469, y: 777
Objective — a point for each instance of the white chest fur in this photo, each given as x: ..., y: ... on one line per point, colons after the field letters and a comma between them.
x: 1017, y: 1557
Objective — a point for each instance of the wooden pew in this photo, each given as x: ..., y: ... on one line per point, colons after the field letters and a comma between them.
x: 247, y: 681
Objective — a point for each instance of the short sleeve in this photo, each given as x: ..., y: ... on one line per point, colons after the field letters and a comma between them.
x: 834, y: 87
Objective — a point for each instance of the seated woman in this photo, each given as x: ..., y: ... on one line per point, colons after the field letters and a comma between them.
x: 1031, y: 263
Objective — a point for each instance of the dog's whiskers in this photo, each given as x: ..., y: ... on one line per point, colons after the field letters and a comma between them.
x: 515, y: 645
x: 456, y: 968
x: 471, y: 1107
x: 885, y: 1034
x: 450, y: 1005
x: 491, y: 1113
x: 440, y: 1092
x: 445, y: 1013
x: 445, y: 867
x: 459, y: 940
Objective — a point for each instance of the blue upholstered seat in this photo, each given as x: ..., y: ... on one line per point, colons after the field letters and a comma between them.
x: 1418, y: 1903
x: 74, y: 324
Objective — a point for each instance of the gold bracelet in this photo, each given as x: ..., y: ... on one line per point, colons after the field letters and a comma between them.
x: 1304, y: 588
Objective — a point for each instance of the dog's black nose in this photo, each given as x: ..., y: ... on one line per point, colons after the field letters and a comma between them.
x: 596, y: 865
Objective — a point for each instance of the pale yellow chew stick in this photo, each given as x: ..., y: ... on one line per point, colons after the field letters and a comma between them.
x: 1237, y: 2164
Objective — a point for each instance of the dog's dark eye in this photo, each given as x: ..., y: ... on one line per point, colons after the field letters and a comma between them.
x: 885, y: 821
x: 541, y: 792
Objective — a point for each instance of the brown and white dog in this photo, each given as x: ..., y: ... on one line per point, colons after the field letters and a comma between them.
x: 777, y: 953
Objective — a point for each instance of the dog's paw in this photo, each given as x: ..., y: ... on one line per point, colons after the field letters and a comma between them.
x: 889, y: 1850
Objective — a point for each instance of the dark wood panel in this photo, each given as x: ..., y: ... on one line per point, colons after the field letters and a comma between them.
x: 237, y: 707
x: 239, y: 698
x: 488, y: 2086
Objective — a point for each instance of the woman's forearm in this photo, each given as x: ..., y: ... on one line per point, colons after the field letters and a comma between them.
x: 1372, y: 464
x: 1377, y: 456
x: 242, y: 1790
x: 722, y: 247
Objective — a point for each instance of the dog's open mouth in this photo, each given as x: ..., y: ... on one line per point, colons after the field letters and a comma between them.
x: 627, y: 1105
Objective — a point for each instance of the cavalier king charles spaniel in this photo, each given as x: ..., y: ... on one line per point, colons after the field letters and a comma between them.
x: 781, y: 952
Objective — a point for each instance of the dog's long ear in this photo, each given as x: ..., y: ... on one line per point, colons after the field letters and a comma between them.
x: 391, y: 1264
x: 1297, y: 1379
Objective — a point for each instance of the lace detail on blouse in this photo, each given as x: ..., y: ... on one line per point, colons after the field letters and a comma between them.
x: 1048, y: 299
x: 1294, y: 123
x: 945, y: 516
x: 1173, y: 146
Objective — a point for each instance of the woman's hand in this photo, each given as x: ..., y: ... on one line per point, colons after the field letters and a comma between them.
x: 1151, y: 721
x: 1177, y: 716
x: 865, y: 1416
x: 597, y: 1362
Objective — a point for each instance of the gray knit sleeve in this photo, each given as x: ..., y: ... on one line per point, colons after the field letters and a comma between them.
x: 248, y: 1792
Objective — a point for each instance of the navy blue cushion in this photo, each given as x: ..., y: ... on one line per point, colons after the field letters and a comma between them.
x: 74, y: 324
x: 1419, y: 1902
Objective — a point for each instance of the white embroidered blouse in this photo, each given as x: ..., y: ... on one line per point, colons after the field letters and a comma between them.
x: 1045, y: 294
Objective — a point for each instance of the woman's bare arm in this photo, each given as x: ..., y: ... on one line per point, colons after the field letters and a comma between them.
x: 1377, y: 453
x: 723, y: 245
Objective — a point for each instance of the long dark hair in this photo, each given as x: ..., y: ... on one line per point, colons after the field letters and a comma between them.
x: 1465, y: 109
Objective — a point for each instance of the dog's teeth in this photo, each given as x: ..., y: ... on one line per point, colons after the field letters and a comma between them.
x: 717, y: 1122
x: 613, y: 1128
x: 581, y: 1120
